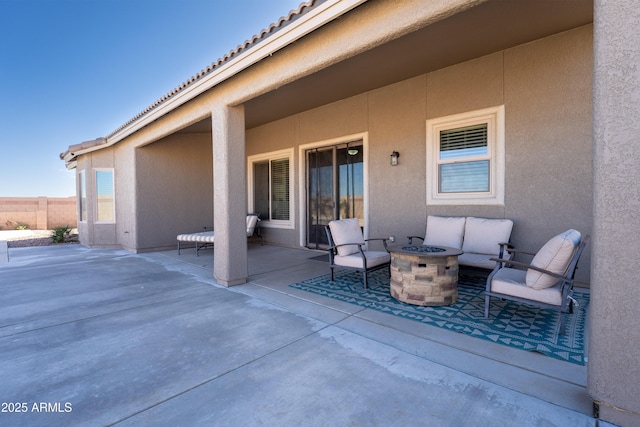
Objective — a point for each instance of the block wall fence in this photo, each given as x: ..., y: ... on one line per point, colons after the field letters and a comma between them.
x: 38, y: 213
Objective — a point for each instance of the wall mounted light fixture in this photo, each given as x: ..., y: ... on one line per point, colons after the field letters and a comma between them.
x: 394, y: 158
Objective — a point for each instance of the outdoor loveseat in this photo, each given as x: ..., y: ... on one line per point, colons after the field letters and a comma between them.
x: 480, y: 239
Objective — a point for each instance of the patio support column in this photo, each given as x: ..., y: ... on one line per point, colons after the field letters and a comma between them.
x: 614, y: 371
x: 230, y: 200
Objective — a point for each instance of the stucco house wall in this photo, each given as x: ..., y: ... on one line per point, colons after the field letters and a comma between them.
x: 545, y: 87
x: 174, y: 189
x: 91, y: 232
x: 613, y: 370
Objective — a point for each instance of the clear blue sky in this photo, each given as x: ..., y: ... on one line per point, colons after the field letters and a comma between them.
x: 75, y: 70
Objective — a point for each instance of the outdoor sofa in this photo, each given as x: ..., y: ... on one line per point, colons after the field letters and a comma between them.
x: 480, y: 239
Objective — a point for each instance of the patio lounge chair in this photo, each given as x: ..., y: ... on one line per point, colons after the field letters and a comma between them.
x: 206, y: 238
x: 546, y: 282
x: 347, y: 249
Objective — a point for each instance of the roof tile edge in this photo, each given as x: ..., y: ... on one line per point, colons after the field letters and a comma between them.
x: 263, y: 35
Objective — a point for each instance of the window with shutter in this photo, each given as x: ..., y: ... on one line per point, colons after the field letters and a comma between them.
x: 465, y: 158
x: 105, y: 200
x: 270, y: 188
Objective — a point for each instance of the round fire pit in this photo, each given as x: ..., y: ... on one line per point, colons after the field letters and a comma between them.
x: 424, y: 275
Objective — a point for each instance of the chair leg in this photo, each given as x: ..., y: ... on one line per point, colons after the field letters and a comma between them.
x: 178, y: 247
x: 486, y: 306
x: 563, y: 322
x: 366, y: 284
x: 331, y: 268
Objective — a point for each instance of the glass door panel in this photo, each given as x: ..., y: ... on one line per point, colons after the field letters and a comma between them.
x: 320, y: 207
x: 334, y: 189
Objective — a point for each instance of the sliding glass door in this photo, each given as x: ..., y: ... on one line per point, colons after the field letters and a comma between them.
x: 334, y: 188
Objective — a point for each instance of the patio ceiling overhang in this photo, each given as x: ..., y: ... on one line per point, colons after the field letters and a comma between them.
x: 490, y: 26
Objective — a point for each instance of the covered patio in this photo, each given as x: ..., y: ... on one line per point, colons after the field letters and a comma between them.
x: 104, y: 336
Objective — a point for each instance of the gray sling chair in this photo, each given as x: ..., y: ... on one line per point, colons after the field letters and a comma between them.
x: 546, y: 282
x: 347, y: 249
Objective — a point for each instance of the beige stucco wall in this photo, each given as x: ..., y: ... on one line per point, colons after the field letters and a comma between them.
x: 174, y: 190
x: 92, y: 233
x: 545, y: 87
x: 161, y: 190
x: 614, y: 370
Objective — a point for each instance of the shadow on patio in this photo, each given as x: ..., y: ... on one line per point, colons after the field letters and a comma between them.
x: 273, y: 269
x: 151, y: 338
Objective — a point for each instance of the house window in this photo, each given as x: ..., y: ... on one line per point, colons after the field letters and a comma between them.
x: 82, y: 193
x: 465, y: 158
x: 105, y: 205
x: 270, y: 188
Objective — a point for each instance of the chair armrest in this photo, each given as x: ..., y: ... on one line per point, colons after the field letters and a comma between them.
x: 414, y: 237
x: 346, y: 244
x: 383, y: 239
x: 533, y: 267
x: 520, y: 251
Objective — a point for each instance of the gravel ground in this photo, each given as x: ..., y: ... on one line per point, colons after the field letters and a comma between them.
x: 27, y: 238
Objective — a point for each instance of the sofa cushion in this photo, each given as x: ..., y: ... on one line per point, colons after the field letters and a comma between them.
x: 346, y: 231
x: 554, y: 256
x: 511, y: 281
x: 444, y: 231
x: 471, y: 259
x: 483, y: 235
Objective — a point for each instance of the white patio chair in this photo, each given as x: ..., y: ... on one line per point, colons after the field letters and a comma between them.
x: 546, y: 282
x: 347, y: 249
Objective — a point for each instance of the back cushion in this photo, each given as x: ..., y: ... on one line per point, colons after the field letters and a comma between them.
x: 346, y: 231
x: 444, y: 231
x: 554, y: 256
x: 252, y: 221
x: 482, y: 235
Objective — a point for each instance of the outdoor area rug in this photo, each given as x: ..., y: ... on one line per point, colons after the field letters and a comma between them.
x: 512, y: 324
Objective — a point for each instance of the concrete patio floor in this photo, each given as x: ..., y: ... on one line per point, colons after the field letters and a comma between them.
x: 103, y: 337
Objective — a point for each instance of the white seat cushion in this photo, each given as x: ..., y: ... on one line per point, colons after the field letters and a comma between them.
x: 374, y: 258
x: 511, y: 281
x: 444, y: 231
x: 252, y: 221
x: 554, y: 256
x: 346, y: 231
x: 476, y: 260
x: 202, y: 237
x: 483, y: 235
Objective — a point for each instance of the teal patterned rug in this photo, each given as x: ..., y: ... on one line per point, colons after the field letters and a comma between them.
x: 512, y: 324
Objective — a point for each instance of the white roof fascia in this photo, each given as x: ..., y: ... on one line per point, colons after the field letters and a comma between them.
x: 297, y: 29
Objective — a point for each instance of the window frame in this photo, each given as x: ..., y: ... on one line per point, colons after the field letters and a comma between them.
x: 82, y: 196
x: 270, y: 157
x: 494, y: 118
x: 97, y: 196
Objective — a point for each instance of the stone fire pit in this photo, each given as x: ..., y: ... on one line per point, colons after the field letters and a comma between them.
x: 424, y: 275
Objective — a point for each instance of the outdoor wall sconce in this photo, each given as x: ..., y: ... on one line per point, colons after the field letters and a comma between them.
x: 394, y: 158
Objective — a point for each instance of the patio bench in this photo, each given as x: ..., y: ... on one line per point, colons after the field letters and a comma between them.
x: 206, y: 238
x: 480, y: 239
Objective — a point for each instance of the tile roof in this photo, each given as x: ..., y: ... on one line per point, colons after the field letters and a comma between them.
x: 264, y: 34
